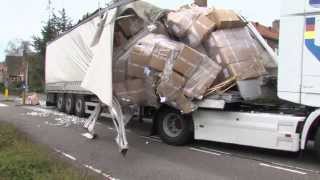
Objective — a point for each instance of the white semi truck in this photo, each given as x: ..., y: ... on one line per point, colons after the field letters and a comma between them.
x: 78, y: 71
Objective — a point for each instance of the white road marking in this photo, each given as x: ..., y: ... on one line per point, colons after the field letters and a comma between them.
x: 204, y: 151
x: 69, y: 156
x: 57, y: 150
x: 65, y: 154
x: 283, y: 169
x: 262, y: 161
x: 3, y: 105
x: 152, y: 139
x: 156, y: 137
x: 93, y: 169
x: 216, y: 151
x: 109, y: 177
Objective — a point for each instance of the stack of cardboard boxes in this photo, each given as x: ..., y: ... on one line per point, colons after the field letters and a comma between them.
x: 202, y: 47
x: 234, y: 49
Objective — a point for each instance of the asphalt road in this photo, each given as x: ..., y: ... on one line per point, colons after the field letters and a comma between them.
x: 150, y: 159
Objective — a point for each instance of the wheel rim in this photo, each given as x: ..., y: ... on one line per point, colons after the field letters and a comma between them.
x: 79, y: 106
x: 59, y: 103
x: 68, y: 104
x: 172, y: 125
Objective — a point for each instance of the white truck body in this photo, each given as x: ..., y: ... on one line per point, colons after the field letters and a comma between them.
x: 299, y: 61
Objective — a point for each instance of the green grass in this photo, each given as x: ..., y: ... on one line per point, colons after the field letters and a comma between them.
x: 20, y: 159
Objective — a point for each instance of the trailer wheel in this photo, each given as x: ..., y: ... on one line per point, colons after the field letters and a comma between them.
x: 174, y: 128
x: 317, y: 143
x: 69, y: 104
x: 60, y: 102
x: 79, y: 106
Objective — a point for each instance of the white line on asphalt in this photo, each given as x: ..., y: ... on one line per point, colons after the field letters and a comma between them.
x: 156, y: 137
x: 65, y: 154
x: 152, y: 139
x: 282, y: 168
x: 214, y: 150
x: 109, y: 177
x: 3, y: 105
x: 262, y: 161
x: 204, y: 151
x: 57, y: 150
x: 295, y: 167
x: 69, y: 156
x: 93, y: 169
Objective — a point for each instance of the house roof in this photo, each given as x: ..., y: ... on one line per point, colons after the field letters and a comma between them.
x: 267, y: 32
x: 3, y: 66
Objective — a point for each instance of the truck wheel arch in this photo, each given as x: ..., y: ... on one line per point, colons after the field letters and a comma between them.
x: 310, y: 127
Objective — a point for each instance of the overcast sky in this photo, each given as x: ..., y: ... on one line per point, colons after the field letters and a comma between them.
x: 20, y: 19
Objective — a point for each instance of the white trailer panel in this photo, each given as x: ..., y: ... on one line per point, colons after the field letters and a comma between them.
x: 270, y: 131
x: 68, y: 58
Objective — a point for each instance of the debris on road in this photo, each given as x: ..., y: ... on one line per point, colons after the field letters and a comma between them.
x: 33, y: 100
x: 60, y: 119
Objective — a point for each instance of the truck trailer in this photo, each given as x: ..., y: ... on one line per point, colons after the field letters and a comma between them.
x: 79, y: 77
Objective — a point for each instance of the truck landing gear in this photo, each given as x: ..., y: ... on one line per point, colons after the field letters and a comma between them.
x: 173, y: 127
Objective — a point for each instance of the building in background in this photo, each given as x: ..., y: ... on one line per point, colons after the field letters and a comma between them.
x: 3, y: 72
x: 15, y: 69
x: 270, y: 34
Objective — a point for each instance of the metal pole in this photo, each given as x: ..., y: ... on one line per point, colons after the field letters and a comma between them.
x: 25, y: 73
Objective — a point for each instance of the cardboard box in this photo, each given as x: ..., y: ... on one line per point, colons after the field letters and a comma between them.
x: 170, y: 87
x: 130, y: 26
x: 202, y: 79
x: 199, y: 30
x: 236, y: 53
x: 184, y: 105
x: 140, y: 56
x: 130, y: 91
x: 188, y: 61
x: 230, y: 46
x: 179, y: 22
x: 247, y: 69
x: 226, y: 19
x: 160, y: 56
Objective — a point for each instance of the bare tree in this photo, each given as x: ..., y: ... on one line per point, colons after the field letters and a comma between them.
x: 17, y: 47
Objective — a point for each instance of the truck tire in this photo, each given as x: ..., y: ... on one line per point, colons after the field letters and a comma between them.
x: 317, y: 143
x: 173, y: 127
x: 61, y: 102
x: 79, y: 109
x: 69, y: 104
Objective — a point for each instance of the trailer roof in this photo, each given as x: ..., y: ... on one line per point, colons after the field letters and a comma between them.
x: 148, y: 12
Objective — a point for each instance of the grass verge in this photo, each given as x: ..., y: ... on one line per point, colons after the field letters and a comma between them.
x: 20, y: 159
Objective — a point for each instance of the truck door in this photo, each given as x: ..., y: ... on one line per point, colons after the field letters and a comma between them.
x: 310, y: 87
